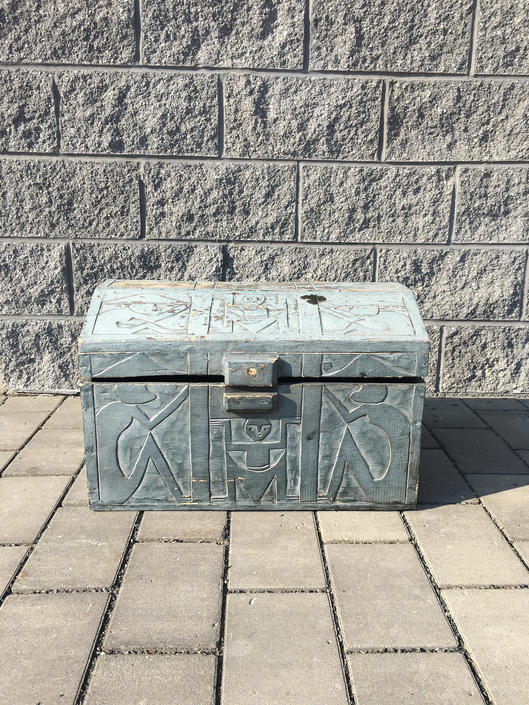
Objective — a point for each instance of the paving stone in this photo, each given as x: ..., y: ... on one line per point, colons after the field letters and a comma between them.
x: 289, y: 263
x: 440, y: 482
x: 494, y: 404
x: 25, y: 505
x: 495, y: 628
x: 502, y: 38
x: 457, y: 120
x: 523, y: 548
x: 458, y: 284
x: 507, y: 499
x: 74, y: 32
x: 427, y: 440
x: 153, y: 260
x: 30, y: 404
x: 76, y: 199
x: 51, y: 451
x: 274, y: 550
x: 463, y: 547
x: 79, y: 549
x: 138, y: 113
x: 27, y: 114
x: 183, y: 526
x: 17, y: 426
x: 78, y: 493
x: 170, y: 598
x: 524, y: 455
x: 216, y: 201
x: 277, y: 648
x: 45, y: 645
x: 53, y: 343
x: 413, y: 679
x: 373, y: 204
x: 5, y: 456
x: 234, y: 33
x: 67, y: 416
x: 361, y: 527
x: 29, y: 289
x: 450, y: 413
x: 491, y: 205
x: 157, y: 679
x: 481, y: 359
x: 301, y: 117
x: 479, y: 450
x: 390, y: 36
x: 384, y: 598
x: 15, y: 429
x: 10, y: 558
x: 513, y: 427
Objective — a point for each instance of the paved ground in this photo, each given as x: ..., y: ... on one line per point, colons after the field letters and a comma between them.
x: 430, y: 607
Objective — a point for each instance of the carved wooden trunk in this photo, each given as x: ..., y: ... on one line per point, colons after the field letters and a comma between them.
x: 252, y: 396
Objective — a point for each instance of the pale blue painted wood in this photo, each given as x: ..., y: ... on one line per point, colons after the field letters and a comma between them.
x: 180, y: 444
x: 113, y: 365
x: 147, y: 316
x: 337, y: 446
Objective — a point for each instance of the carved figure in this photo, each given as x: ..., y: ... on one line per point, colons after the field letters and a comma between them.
x: 364, y: 453
x: 125, y: 460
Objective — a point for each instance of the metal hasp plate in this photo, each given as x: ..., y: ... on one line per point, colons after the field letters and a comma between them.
x: 252, y: 396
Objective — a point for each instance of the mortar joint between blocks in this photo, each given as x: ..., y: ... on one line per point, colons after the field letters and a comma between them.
x: 307, y: 21
x: 220, y: 117
x: 473, y: 44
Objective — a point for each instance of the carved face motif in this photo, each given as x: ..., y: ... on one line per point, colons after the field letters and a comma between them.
x: 257, y: 429
x: 252, y: 300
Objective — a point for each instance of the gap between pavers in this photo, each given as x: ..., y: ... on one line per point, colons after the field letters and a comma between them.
x: 413, y: 679
x: 495, y: 627
x: 506, y: 497
x: 77, y: 495
x: 21, y: 416
x: 68, y: 415
x: 440, y: 482
x: 270, y: 550
x: 45, y: 644
x: 480, y: 451
x: 281, y: 648
x: 10, y: 559
x: 463, y: 547
x: 449, y: 413
x: 513, y: 427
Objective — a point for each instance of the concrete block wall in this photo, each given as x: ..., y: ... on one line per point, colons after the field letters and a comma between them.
x: 267, y: 139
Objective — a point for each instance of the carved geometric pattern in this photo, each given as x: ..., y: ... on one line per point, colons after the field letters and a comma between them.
x: 255, y: 314
x: 167, y: 445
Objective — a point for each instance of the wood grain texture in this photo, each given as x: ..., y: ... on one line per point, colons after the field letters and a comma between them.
x: 285, y: 429
x: 166, y: 446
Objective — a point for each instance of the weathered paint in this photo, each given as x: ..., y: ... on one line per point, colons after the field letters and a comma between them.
x: 310, y: 440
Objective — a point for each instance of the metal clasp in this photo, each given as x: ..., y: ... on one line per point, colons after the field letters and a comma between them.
x: 246, y: 371
x: 256, y: 372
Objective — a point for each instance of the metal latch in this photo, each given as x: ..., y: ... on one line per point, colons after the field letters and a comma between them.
x: 255, y: 372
